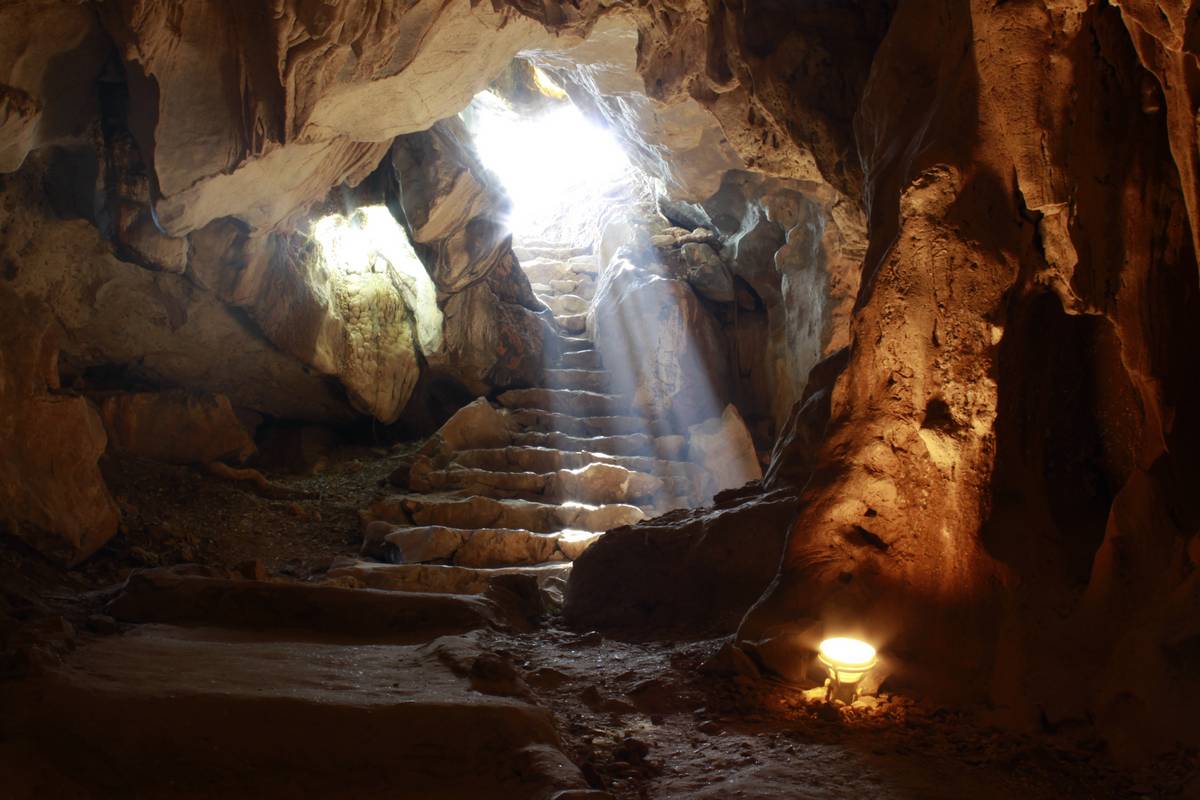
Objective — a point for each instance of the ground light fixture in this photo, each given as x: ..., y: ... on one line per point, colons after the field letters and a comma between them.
x: 848, y: 661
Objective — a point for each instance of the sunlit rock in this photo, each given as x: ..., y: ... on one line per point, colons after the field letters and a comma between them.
x: 492, y: 335
x: 722, y: 445
x: 676, y: 138
x: 663, y: 346
x: 161, y: 328
x: 706, y: 273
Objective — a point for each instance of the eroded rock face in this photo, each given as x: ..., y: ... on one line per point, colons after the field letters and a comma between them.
x: 52, y: 495
x: 155, y: 328
x: 723, y: 447
x: 493, y: 334
x: 674, y: 138
x: 175, y: 427
x: 317, y: 103
x: 50, y: 57
x: 663, y: 346
x: 1002, y: 268
x: 798, y: 246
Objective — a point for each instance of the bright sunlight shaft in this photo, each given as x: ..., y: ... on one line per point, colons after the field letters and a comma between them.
x: 557, y: 166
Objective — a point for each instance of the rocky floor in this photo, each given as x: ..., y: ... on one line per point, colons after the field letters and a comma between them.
x: 386, y: 626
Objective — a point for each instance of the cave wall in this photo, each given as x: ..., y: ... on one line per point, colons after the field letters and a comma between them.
x: 1011, y: 395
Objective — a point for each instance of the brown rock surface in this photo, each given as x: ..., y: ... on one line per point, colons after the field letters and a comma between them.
x: 50, y: 57
x: 159, y: 328
x: 683, y: 573
x: 175, y: 427
x: 51, y: 492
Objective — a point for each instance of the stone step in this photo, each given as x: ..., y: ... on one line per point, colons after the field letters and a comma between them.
x: 543, y: 269
x: 566, y: 401
x: 543, y: 459
x: 574, y: 324
x: 593, y: 483
x: 670, y: 448
x: 164, y: 711
x: 462, y: 547
x: 564, y: 304
x: 487, y: 512
x: 442, y: 578
x: 588, y: 380
x: 583, y: 264
x: 531, y: 419
x: 494, y: 551
x: 582, y: 286
x: 581, y: 359
x: 527, y: 251
x: 573, y: 344
x: 166, y: 596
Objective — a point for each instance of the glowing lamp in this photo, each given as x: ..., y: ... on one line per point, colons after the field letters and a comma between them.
x: 847, y: 660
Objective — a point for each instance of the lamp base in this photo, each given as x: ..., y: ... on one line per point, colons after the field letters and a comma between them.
x: 843, y: 692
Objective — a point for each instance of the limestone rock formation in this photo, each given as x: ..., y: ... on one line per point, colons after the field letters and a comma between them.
x: 51, y: 492
x: 175, y: 427
x: 326, y: 92
x: 493, y: 336
x: 157, y: 328
x: 723, y: 447
x: 667, y: 353
x: 50, y: 57
x: 949, y: 256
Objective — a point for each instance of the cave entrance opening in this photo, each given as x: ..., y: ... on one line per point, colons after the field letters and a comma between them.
x: 632, y: 363
x: 562, y: 171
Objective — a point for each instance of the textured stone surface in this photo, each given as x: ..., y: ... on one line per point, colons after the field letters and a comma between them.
x: 52, y: 495
x: 662, y: 346
x: 175, y: 427
x: 159, y: 328
x: 675, y: 138
x: 684, y: 573
x: 723, y: 447
x: 50, y: 57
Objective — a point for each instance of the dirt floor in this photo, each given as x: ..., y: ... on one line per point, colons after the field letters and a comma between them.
x: 646, y: 720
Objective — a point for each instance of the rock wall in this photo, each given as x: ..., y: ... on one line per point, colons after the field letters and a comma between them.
x: 1008, y: 400
x: 496, y: 331
x: 51, y: 492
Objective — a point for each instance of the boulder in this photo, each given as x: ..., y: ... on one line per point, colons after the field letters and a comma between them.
x: 175, y: 427
x: 52, y: 494
x: 427, y: 543
x: 663, y: 347
x: 706, y: 272
x: 724, y: 448
x: 688, y: 573
x: 477, y: 425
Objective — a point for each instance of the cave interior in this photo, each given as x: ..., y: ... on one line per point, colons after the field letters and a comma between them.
x: 599, y: 399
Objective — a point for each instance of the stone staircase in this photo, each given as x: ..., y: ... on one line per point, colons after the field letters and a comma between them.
x: 526, y: 487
